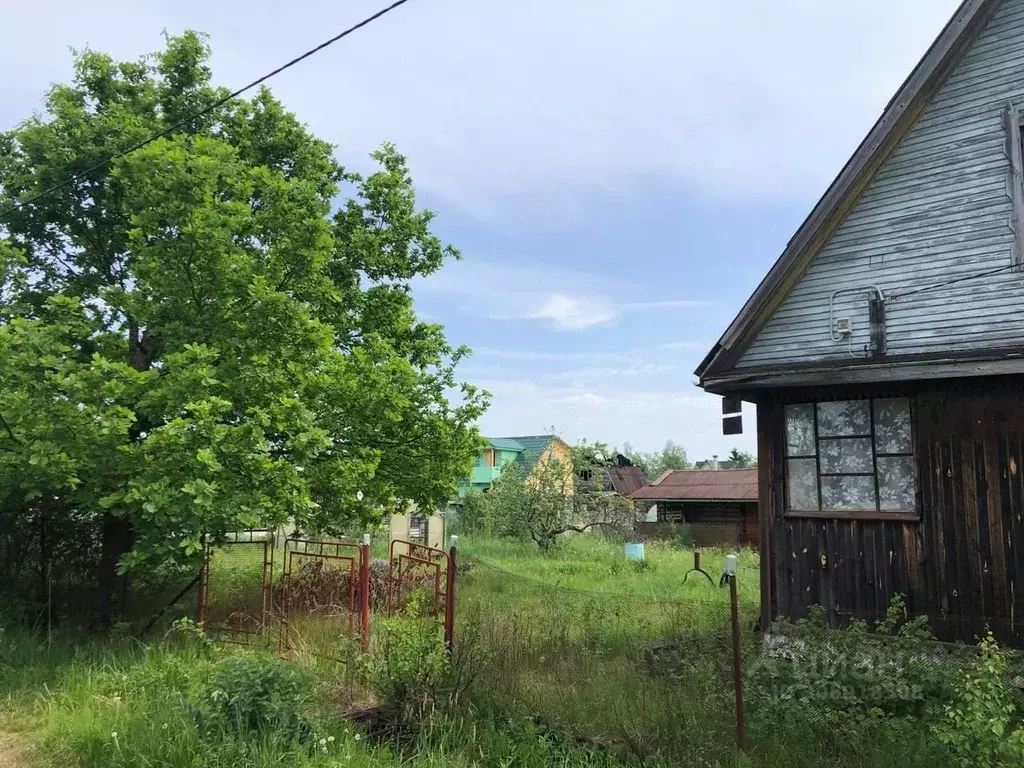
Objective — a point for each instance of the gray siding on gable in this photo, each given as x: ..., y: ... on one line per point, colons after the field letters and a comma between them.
x: 938, y: 209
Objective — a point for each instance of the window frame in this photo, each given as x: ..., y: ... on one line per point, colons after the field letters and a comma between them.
x: 878, y: 514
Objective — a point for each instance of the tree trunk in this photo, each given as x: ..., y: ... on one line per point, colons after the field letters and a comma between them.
x: 116, y: 539
x: 117, y: 534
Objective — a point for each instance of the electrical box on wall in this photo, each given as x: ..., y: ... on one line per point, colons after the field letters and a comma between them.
x: 844, y: 326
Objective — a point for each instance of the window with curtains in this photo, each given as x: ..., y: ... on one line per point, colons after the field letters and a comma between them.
x: 849, y: 458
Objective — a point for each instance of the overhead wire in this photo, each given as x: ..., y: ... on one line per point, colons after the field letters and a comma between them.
x: 954, y: 281
x: 186, y: 121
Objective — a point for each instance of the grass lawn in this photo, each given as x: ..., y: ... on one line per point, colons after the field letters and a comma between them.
x: 597, y: 564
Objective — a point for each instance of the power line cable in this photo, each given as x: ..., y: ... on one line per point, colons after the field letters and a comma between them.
x: 954, y: 281
x: 206, y: 110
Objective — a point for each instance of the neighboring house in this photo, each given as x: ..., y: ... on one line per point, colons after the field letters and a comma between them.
x: 885, y: 353
x: 527, y: 452
x: 428, y: 530
x: 620, y: 476
x: 719, y: 506
x: 489, y: 462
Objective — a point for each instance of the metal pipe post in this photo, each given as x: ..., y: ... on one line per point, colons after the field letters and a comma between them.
x: 364, y: 591
x: 449, y: 597
x: 203, y: 581
x: 737, y: 664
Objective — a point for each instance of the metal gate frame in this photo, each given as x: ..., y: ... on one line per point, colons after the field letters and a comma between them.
x: 357, y: 556
x: 432, y: 558
x: 235, y: 634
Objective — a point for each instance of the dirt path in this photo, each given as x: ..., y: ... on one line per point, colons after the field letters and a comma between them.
x: 11, y: 750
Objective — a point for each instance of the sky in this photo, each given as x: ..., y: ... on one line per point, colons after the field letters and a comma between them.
x: 618, y: 176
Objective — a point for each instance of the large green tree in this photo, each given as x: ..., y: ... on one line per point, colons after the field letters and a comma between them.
x: 213, y: 332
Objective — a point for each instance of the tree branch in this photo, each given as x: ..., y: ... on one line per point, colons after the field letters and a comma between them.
x: 10, y: 432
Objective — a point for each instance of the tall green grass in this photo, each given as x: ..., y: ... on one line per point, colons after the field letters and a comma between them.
x: 122, y: 704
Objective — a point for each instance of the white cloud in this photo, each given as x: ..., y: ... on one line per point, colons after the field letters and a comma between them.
x: 567, y: 313
x: 565, y: 299
x: 520, y: 110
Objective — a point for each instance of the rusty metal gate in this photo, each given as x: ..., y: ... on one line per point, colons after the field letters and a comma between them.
x: 325, y: 580
x: 236, y: 596
x: 420, y: 568
x: 325, y: 590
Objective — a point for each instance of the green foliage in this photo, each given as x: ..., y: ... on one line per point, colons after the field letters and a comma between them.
x: 474, y: 514
x: 193, y: 342
x: 850, y: 674
x: 255, y: 694
x: 408, y: 670
x: 983, y: 728
x: 653, y: 465
x: 742, y: 459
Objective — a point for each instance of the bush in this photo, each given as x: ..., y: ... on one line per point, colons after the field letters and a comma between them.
x: 852, y: 673
x: 257, y: 694
x: 408, y: 668
x: 982, y: 728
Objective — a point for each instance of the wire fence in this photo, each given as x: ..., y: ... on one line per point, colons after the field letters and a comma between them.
x: 646, y: 675
x: 657, y: 676
x: 684, y: 680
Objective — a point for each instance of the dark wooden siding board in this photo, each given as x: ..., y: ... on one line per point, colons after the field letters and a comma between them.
x: 949, y: 535
x: 992, y: 557
x: 1001, y: 527
x: 854, y: 565
x: 822, y: 565
x: 974, y: 592
x: 1016, y: 535
x: 870, y: 571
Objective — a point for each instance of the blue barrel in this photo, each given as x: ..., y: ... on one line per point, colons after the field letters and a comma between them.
x: 635, y: 551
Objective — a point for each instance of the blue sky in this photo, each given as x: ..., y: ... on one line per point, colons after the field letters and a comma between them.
x: 618, y: 175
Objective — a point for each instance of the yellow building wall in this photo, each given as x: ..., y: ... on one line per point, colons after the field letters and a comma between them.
x: 562, y: 452
x: 400, y: 527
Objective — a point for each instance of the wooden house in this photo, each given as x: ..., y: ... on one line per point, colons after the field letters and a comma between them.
x: 884, y: 351
x: 719, y: 506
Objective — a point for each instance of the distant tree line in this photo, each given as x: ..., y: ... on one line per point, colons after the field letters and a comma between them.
x: 673, y: 456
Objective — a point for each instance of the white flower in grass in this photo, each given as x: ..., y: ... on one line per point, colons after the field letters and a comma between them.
x: 113, y: 735
x: 330, y: 739
x: 358, y: 737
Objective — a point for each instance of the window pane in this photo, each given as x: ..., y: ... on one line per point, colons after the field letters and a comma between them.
x: 799, y: 430
x: 848, y: 492
x: 892, y: 426
x: 896, y: 482
x: 803, y: 484
x: 846, y: 455
x: 845, y: 417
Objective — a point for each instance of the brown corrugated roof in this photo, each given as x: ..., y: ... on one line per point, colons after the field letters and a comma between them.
x: 625, y: 480
x: 702, y: 484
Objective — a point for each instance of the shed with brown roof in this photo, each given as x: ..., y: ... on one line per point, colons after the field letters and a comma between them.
x: 718, y: 505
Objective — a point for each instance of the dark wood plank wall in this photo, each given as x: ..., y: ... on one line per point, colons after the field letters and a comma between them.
x: 959, y: 564
x: 712, y: 523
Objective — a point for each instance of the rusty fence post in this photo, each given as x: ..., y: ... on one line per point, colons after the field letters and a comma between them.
x: 364, y: 592
x: 449, y: 596
x: 737, y: 663
x: 696, y: 559
x: 204, y: 574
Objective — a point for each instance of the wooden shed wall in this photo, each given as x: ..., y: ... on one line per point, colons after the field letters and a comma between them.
x: 959, y: 564
x: 711, y: 523
x: 938, y: 209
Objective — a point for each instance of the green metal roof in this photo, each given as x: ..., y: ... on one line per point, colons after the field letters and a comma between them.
x: 533, y: 448
x: 504, y: 444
